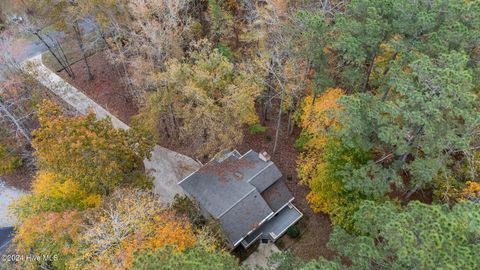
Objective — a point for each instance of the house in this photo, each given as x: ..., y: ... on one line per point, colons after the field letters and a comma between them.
x: 246, y: 194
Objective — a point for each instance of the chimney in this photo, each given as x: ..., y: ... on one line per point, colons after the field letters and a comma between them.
x: 264, y: 156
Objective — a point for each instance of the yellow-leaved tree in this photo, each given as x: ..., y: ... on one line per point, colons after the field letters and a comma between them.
x: 90, y: 152
x: 52, y: 235
x: 51, y: 192
x: 471, y: 191
x: 323, y: 156
x: 316, y: 119
x: 203, y: 102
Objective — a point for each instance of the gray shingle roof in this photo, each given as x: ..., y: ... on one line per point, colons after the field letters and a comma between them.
x: 277, y: 195
x: 230, y: 188
x: 216, y: 188
x: 266, y: 177
x: 244, y: 217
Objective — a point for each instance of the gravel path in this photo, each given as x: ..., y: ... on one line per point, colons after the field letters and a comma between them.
x: 166, y: 166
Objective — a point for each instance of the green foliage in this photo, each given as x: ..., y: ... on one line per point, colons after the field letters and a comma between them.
x: 198, y: 257
x: 225, y: 51
x: 256, y: 128
x: 221, y: 20
x: 420, y: 236
x: 309, y: 31
x: 293, y: 231
x: 344, y: 201
x: 287, y: 261
x: 89, y: 151
x: 302, y: 140
x: 359, y: 35
x: 412, y: 75
x: 430, y: 106
x: 9, y: 162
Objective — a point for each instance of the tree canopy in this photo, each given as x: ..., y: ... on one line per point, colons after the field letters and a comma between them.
x: 90, y: 151
x: 204, y: 101
x: 409, y: 114
x: 197, y: 257
x: 419, y: 236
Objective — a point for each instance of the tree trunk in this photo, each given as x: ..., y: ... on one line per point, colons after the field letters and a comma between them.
x: 265, y: 112
x: 289, y: 126
x: 369, y: 71
x: 279, y: 120
x: 25, y: 133
x: 176, y: 127
x: 385, y: 95
x: 165, y: 127
x: 65, y: 58
x: 410, y: 193
x: 50, y: 49
x: 78, y: 35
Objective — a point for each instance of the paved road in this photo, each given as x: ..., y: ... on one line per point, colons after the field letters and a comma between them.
x: 23, y: 48
x: 7, y: 196
x: 6, y: 235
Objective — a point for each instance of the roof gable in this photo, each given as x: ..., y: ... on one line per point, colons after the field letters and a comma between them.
x: 266, y: 177
x: 238, y: 190
x: 244, y: 217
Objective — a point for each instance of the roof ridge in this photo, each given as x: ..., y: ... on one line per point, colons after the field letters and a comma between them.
x: 241, y: 199
x: 263, y: 169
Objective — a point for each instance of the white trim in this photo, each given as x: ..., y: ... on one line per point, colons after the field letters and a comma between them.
x: 251, y: 150
x: 255, y: 175
x: 253, y: 241
x: 295, y: 221
x: 272, y: 234
x: 199, y: 162
x: 238, y: 242
x: 241, y: 199
x: 289, y: 202
x: 260, y: 224
x: 6, y: 244
x: 236, y: 151
x: 187, y: 176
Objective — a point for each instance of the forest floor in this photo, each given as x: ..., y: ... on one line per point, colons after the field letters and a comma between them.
x: 107, y: 89
x: 314, y: 228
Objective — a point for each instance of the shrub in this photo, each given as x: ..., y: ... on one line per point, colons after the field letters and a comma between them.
x: 225, y: 51
x: 256, y: 128
x: 302, y: 141
x: 293, y: 231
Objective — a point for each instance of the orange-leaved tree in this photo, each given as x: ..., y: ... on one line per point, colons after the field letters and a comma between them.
x: 130, y: 220
x: 51, y: 235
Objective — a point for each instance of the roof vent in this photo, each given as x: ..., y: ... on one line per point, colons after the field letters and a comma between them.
x: 264, y: 156
x: 238, y: 175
